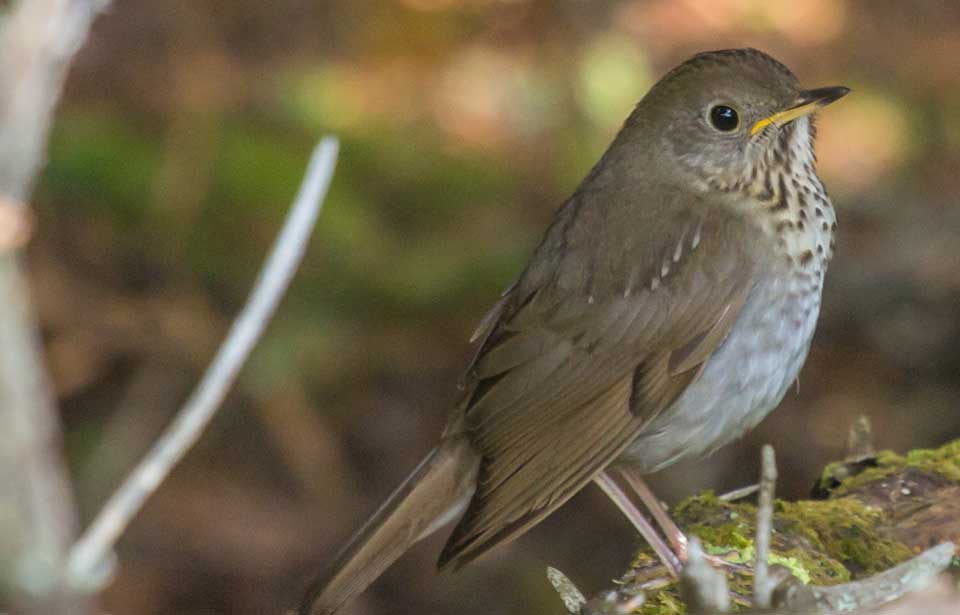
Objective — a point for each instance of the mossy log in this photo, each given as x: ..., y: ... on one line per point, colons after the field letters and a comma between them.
x: 866, y: 515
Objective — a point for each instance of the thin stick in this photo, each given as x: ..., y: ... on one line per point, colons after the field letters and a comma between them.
x: 704, y: 588
x: 739, y: 493
x: 860, y: 440
x: 88, y: 556
x: 762, y: 585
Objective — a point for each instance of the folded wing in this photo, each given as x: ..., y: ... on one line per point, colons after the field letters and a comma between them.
x: 570, y: 373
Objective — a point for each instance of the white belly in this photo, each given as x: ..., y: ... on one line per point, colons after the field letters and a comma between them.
x: 743, y: 380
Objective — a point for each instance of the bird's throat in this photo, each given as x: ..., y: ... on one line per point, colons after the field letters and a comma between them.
x: 795, y: 208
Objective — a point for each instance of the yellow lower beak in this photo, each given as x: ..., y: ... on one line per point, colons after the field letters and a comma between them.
x: 809, y: 101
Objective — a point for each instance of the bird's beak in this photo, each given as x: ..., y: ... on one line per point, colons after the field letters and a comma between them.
x: 808, y: 102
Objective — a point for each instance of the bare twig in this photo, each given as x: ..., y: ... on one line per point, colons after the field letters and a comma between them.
x: 704, y: 589
x: 762, y: 586
x: 88, y: 559
x: 860, y: 440
x: 739, y: 493
x: 37, y: 42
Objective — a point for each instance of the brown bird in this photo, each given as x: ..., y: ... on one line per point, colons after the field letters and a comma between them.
x: 666, y: 311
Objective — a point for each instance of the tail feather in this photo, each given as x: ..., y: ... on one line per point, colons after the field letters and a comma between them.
x: 432, y: 496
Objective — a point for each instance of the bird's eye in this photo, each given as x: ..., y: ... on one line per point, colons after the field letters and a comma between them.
x: 724, y: 118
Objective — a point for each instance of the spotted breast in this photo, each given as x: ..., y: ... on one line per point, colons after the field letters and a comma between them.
x: 751, y: 371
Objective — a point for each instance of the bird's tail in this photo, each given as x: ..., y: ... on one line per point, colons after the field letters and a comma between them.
x: 432, y: 496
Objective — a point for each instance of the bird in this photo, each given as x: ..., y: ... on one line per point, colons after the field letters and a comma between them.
x: 667, y: 309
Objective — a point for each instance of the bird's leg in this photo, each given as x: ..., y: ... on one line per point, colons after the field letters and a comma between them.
x: 677, y: 539
x: 615, y: 492
x: 675, y: 536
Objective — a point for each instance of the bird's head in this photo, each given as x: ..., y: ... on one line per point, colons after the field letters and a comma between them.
x: 727, y: 117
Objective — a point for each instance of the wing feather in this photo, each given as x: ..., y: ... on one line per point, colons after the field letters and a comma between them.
x: 576, y: 365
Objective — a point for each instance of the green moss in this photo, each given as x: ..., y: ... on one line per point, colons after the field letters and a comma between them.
x: 818, y: 569
x: 643, y: 559
x: 821, y: 542
x: 799, y: 566
x: 841, y: 477
x: 837, y: 536
x: 944, y: 461
x: 727, y: 530
x: 664, y: 602
x: 722, y: 525
x: 845, y: 530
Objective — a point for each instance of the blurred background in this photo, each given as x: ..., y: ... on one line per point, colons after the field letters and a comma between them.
x: 464, y: 123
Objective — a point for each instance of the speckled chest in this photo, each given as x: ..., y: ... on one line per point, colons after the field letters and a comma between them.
x: 749, y: 374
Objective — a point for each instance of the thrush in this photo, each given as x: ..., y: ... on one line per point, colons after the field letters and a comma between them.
x: 666, y: 311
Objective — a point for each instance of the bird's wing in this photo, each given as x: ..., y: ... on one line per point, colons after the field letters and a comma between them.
x: 566, y: 378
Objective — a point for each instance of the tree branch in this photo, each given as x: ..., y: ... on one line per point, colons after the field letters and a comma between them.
x: 37, y: 42
x: 88, y: 563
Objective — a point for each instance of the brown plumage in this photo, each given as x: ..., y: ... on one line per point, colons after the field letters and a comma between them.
x: 576, y: 366
x: 665, y: 311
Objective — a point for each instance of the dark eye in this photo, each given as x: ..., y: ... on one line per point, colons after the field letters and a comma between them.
x: 724, y: 118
